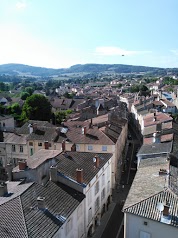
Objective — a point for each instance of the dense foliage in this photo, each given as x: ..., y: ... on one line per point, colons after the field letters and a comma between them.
x: 36, y: 107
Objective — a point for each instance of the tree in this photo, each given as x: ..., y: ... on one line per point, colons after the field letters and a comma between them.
x: 61, y: 116
x: 29, y: 90
x: 36, y: 107
x: 24, y: 95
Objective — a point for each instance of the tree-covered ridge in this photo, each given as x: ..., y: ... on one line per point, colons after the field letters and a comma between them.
x: 16, y: 69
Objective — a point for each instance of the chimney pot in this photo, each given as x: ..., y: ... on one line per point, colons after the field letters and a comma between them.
x: 46, y: 144
x: 41, y: 203
x: 9, y: 168
x: 79, y: 174
x: 53, y: 173
x: 3, y: 189
x: 97, y: 162
x: 22, y: 165
x: 63, y: 145
x: 73, y: 147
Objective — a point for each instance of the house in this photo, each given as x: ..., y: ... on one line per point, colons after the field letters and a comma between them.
x: 36, y: 168
x: 7, y: 123
x: 168, y: 107
x: 151, y: 206
x: 156, y: 121
x: 90, y: 174
x: 33, y: 210
x: 15, y: 148
x: 154, y: 150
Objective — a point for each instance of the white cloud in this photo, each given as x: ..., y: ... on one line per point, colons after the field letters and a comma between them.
x: 21, y: 5
x: 113, y: 51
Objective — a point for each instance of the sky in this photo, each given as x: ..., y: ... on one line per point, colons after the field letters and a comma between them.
x: 62, y: 33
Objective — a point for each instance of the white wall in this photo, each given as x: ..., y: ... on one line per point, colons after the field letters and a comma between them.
x: 134, y: 225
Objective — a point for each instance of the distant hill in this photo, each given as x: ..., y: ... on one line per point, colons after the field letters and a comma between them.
x: 20, y: 69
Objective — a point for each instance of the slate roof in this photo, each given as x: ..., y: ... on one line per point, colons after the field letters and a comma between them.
x: 20, y: 217
x: 25, y: 129
x: 148, y: 207
x: 70, y: 161
x: 65, y: 103
x: 155, y: 149
x: 147, y: 181
x: 4, y: 117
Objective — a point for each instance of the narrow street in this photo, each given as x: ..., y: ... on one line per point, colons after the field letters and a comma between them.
x: 115, y: 225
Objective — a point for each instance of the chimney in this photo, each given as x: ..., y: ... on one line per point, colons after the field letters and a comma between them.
x: 84, y: 130
x: 63, y: 145
x: 22, y: 165
x: 91, y: 123
x: 41, y: 203
x: 9, y: 168
x: 53, y: 173
x: 79, y: 175
x: 166, y: 210
x: 30, y: 128
x: 46, y: 144
x: 3, y: 189
x: 73, y: 148
x: 97, y: 162
x: 34, y: 125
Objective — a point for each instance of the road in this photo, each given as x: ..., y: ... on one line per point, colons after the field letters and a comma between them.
x: 115, y: 227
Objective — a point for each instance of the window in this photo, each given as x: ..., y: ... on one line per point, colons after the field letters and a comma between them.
x: 15, y: 161
x: 89, y: 197
x: 97, y: 204
x: 108, y: 172
x: 103, y: 179
x: 21, y: 148
x: 103, y: 194
x: 31, y: 151
x: 4, y: 124
x: 108, y: 187
x: 104, y: 148
x: 39, y: 144
x: 90, y: 147
x: 89, y: 215
x: 13, y: 148
x: 96, y: 187
x: 30, y: 143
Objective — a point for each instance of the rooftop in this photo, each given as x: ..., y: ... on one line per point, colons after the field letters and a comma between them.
x: 21, y: 217
x: 70, y: 161
x: 147, y: 179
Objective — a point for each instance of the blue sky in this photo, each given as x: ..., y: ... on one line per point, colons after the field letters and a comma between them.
x: 61, y: 33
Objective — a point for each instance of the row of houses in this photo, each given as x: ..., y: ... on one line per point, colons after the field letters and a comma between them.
x: 60, y: 179
x: 150, y: 209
